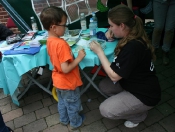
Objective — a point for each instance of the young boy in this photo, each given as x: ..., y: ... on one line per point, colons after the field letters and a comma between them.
x: 65, y: 75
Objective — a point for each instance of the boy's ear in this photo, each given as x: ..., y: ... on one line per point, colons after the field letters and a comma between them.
x: 52, y: 26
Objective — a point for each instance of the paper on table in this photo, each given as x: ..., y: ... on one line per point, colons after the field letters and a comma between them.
x: 84, y: 43
x: 72, y: 41
x: 22, y: 47
x: 34, y: 43
x: 1, y: 42
x: 39, y: 38
x: 4, y: 46
x: 29, y: 36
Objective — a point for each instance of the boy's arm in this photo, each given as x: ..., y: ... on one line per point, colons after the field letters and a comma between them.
x: 68, y: 66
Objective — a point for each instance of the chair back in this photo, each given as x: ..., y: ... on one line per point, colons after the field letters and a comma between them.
x: 10, y: 23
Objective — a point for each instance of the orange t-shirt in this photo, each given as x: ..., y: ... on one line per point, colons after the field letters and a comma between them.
x: 60, y: 52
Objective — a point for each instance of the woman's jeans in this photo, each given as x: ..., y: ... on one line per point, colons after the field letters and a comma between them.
x: 3, y: 127
x: 164, y: 18
x: 69, y: 106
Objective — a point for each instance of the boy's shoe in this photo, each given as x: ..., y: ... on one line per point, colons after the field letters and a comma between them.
x: 83, y: 118
x: 130, y: 124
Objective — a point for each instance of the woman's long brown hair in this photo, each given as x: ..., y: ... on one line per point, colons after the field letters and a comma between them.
x: 122, y: 14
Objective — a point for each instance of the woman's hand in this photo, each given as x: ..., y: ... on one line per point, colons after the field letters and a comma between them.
x: 81, y: 54
x: 109, y: 35
x: 96, y: 47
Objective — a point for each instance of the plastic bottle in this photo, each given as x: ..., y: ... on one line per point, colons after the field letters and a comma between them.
x: 34, y: 24
x: 92, y: 28
x: 95, y: 19
x: 83, y: 21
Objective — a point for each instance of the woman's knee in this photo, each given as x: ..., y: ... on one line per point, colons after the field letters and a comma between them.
x: 109, y: 88
x: 107, y: 110
x: 103, y: 86
x: 104, y: 110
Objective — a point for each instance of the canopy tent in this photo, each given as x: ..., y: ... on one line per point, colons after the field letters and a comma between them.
x: 21, y: 11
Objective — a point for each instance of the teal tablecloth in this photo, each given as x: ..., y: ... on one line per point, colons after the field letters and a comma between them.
x: 12, y: 67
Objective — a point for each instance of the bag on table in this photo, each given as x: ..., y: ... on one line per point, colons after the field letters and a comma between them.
x: 14, y: 38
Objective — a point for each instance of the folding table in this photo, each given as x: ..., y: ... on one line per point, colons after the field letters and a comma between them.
x: 12, y: 67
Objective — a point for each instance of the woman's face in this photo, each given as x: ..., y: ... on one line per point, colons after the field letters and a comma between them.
x: 117, y: 30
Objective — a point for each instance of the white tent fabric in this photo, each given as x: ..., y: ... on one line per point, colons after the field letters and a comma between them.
x: 72, y: 7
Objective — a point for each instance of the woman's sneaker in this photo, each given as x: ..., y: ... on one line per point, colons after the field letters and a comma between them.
x: 130, y: 124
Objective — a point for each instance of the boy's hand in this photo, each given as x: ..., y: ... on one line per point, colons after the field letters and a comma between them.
x: 81, y: 54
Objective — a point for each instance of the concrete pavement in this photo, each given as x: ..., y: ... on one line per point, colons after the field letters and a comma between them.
x: 38, y: 110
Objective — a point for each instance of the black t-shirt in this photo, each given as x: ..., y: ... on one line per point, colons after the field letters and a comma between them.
x: 134, y: 65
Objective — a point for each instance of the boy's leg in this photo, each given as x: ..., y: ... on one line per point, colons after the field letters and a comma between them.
x: 124, y: 105
x: 73, y: 104
x: 64, y: 119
